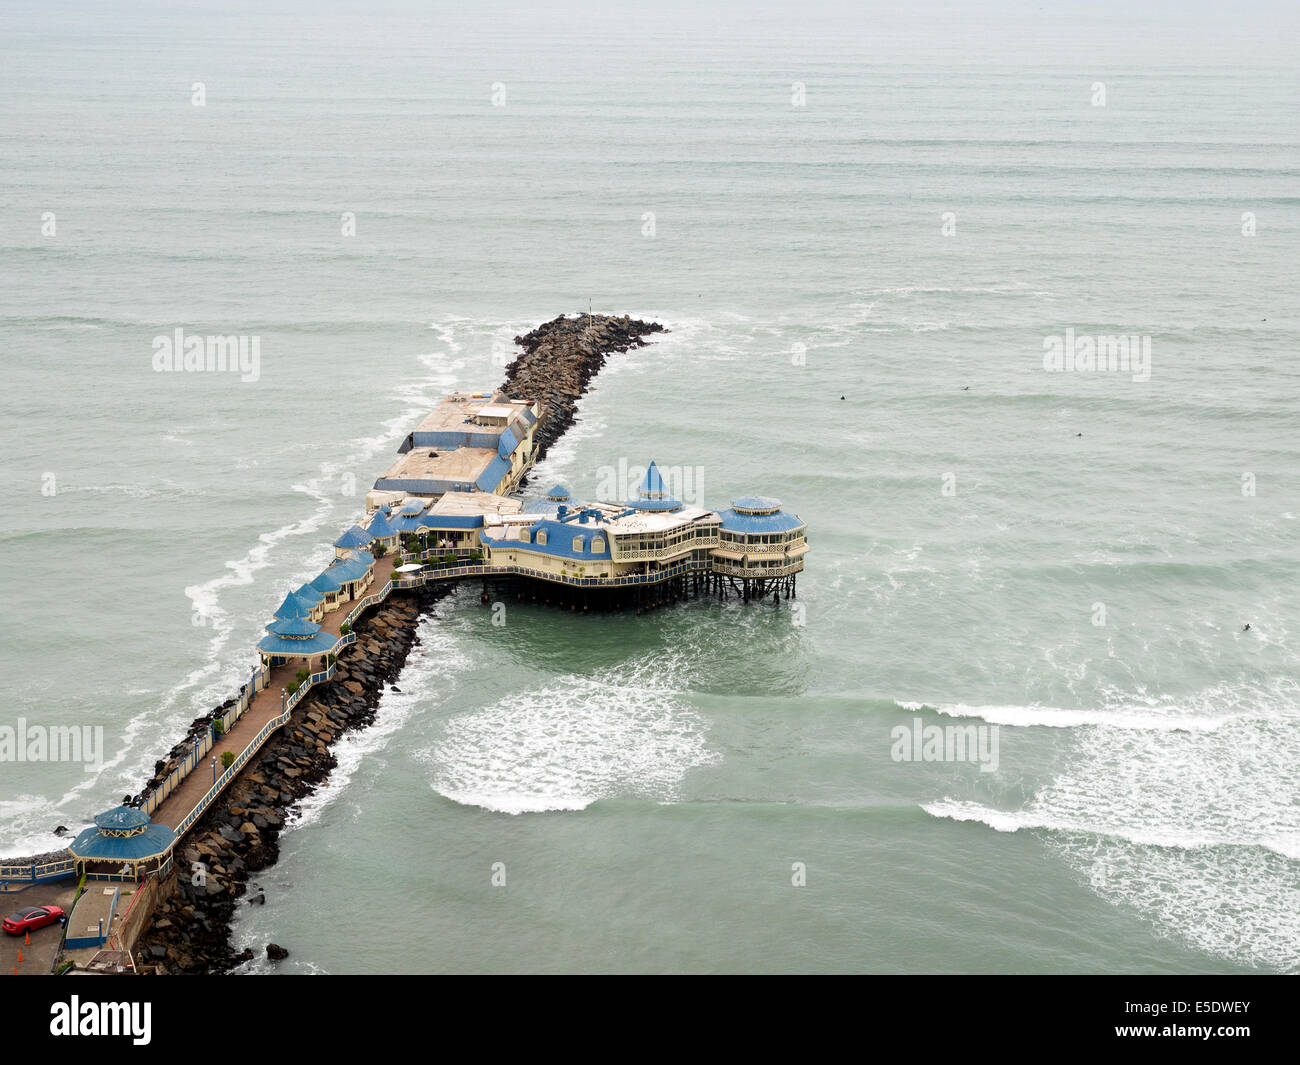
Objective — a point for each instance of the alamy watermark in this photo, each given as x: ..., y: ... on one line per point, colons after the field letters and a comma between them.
x: 618, y: 483
x: 179, y: 353
x: 1085, y: 353
x: 53, y: 743
x: 977, y: 744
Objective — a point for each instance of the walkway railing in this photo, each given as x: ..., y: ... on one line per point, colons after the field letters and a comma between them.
x: 32, y: 873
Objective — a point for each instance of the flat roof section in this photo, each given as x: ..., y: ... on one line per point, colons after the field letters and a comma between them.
x: 459, y: 464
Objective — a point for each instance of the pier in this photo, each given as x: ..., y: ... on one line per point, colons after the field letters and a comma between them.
x: 447, y: 510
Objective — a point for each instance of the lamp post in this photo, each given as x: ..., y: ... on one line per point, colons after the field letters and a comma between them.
x: 214, y: 769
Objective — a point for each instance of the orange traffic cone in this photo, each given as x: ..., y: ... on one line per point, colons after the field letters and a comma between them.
x: 29, y: 939
x: 20, y: 953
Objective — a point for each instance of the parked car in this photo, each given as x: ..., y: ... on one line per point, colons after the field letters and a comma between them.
x: 32, y: 918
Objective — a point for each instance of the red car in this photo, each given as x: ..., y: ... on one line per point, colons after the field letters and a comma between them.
x: 32, y: 918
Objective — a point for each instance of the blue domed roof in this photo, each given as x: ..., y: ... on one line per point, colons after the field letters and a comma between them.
x: 293, y: 627
x: 558, y: 493
x: 756, y: 505
x: 121, y: 819
x: 736, y: 520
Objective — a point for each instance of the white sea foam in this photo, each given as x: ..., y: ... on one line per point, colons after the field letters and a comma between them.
x: 1196, y: 829
x: 293, y: 552
x: 429, y: 674
x: 1116, y: 717
x: 569, y: 744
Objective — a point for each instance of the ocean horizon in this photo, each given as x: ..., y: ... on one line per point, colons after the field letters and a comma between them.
x: 999, y: 299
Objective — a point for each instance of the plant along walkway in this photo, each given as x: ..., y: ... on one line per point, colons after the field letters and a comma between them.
x: 266, y: 706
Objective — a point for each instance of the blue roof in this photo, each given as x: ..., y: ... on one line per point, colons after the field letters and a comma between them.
x: 758, y: 523
x: 406, y: 523
x: 653, y: 482
x: 491, y: 477
x: 652, y: 492
x: 93, y: 844
x: 326, y: 583
x: 285, y: 645
x: 666, y: 503
x: 294, y: 606
x: 293, y: 627
x: 379, y: 528
x: 310, y: 594
x: 507, y: 443
x: 756, y: 503
x: 559, y: 540
x: 412, y: 506
x: 354, y: 537
x: 122, y: 819
x: 558, y: 493
x: 350, y: 570
x: 452, y: 521
x: 360, y: 556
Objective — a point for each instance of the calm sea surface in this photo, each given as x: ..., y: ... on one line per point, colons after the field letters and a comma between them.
x: 861, y: 226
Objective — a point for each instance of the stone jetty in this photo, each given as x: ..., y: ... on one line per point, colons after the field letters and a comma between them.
x: 217, y: 860
x: 560, y: 358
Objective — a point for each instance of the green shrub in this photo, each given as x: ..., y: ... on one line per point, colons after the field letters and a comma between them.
x: 218, y: 727
x: 331, y: 659
x: 380, y: 550
x: 344, y: 629
x: 303, y: 674
x: 227, y: 759
x: 292, y: 687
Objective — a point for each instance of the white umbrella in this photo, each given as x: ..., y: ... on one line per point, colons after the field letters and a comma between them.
x: 410, y: 567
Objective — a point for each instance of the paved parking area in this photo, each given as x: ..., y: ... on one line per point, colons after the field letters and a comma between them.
x: 39, y: 957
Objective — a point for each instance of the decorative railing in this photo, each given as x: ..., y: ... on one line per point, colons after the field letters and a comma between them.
x: 659, y: 552
x: 256, y: 682
x: 32, y: 873
x: 757, y: 571
x: 740, y: 546
x: 240, y: 761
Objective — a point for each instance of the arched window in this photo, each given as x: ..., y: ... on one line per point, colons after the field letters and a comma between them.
x: 577, y: 545
x: 540, y: 538
x: 597, y: 545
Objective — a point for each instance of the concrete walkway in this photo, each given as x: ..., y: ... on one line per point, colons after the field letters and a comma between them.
x: 265, y: 707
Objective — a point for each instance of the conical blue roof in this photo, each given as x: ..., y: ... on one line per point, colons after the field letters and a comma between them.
x: 558, y: 493
x: 309, y: 594
x: 652, y: 484
x: 652, y: 492
x: 294, y: 606
x: 379, y: 527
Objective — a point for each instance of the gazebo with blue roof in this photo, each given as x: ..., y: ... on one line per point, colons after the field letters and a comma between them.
x: 125, y: 839
x: 294, y: 638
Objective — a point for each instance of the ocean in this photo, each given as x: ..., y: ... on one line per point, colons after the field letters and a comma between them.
x: 863, y: 226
